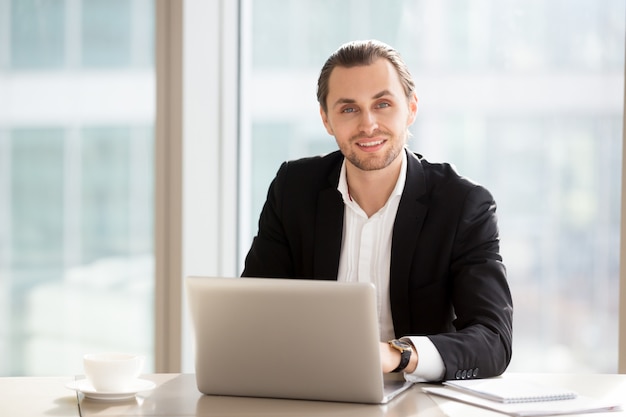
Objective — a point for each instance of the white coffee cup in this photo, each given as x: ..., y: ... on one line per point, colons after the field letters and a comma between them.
x: 112, y: 372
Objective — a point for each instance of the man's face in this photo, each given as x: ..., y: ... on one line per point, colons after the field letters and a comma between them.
x: 368, y: 114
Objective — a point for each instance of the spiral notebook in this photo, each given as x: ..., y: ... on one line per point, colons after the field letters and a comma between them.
x: 518, y: 397
x: 511, y: 390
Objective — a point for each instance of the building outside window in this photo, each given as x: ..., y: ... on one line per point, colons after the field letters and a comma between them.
x: 525, y: 97
x: 76, y: 182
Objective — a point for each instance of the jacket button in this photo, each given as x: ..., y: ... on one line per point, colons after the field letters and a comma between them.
x: 457, y: 375
x: 475, y: 373
x: 464, y: 374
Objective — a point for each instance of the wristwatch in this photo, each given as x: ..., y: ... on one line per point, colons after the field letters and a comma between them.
x: 405, y: 353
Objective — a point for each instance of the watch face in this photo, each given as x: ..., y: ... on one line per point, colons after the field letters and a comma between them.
x: 400, y: 344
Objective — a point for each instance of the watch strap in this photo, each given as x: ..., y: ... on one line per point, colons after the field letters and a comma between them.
x: 405, y: 354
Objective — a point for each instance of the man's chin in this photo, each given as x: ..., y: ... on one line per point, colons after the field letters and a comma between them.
x: 373, y: 163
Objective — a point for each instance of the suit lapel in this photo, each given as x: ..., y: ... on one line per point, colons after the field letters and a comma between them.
x: 407, y: 227
x: 328, y: 229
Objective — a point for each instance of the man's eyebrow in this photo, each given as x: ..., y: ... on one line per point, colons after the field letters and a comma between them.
x: 344, y: 101
x: 382, y: 94
x: 352, y: 101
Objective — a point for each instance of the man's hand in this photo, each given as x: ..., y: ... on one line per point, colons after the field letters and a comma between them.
x: 390, y: 359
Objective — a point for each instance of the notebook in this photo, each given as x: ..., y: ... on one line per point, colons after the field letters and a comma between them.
x: 517, y: 397
x: 287, y: 338
x: 511, y: 390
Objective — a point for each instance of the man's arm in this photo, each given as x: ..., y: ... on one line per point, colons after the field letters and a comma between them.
x: 269, y: 255
x: 456, y: 295
x: 481, y: 346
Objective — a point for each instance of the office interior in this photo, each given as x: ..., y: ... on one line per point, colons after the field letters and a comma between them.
x: 138, y: 139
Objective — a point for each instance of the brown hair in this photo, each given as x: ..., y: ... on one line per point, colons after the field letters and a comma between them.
x: 358, y: 53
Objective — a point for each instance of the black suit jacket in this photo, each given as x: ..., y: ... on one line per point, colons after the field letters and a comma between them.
x: 447, y: 279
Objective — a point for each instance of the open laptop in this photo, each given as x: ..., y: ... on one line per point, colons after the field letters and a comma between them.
x: 288, y: 338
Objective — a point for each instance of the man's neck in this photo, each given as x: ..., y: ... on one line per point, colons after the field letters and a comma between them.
x: 371, y: 189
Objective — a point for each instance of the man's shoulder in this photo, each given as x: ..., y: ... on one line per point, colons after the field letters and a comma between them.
x: 442, y: 176
x: 319, y: 161
x: 314, y: 168
x: 436, y: 171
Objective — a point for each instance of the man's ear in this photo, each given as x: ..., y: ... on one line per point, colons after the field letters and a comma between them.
x: 413, y: 100
x: 324, y: 116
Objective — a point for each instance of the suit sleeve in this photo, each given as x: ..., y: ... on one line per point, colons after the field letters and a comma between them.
x: 482, y: 344
x: 269, y: 255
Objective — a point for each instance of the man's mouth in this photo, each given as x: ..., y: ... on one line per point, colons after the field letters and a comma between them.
x: 370, y: 144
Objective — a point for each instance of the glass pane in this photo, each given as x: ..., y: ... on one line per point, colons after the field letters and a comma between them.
x: 106, y: 33
x: 76, y: 183
x: 525, y: 97
x: 37, y: 32
x: 33, y: 228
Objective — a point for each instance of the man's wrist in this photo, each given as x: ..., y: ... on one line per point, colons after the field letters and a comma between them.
x: 406, y: 351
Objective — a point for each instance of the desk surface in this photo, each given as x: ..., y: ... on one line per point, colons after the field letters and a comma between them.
x: 177, y: 395
x: 37, y: 397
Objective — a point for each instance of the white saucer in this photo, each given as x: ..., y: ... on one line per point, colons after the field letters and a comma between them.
x: 82, y: 385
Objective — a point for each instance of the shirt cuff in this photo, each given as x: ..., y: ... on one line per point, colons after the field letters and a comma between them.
x: 430, y: 366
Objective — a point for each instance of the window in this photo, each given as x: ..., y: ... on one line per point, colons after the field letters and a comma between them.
x: 525, y: 97
x: 522, y: 96
x: 40, y: 46
x: 76, y: 182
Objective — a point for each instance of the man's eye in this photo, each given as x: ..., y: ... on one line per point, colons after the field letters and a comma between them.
x: 348, y: 110
x: 383, y: 105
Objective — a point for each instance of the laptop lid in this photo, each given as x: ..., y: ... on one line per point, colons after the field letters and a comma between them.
x: 285, y: 338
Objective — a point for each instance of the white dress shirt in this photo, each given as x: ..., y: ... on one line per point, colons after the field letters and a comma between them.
x: 366, y: 257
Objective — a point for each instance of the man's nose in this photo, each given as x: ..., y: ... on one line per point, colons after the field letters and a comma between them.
x: 367, y: 122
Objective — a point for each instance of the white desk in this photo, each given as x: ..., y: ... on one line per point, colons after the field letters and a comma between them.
x: 177, y: 395
x: 29, y: 397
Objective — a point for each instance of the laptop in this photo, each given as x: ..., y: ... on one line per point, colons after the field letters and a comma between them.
x: 288, y: 338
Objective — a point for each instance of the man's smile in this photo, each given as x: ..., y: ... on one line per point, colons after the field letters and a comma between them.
x: 369, y: 144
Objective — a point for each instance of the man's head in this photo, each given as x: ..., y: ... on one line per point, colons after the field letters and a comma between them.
x: 368, y: 102
x: 362, y: 53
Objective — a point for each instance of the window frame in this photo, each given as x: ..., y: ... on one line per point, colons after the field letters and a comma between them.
x: 621, y: 355
x: 196, y: 137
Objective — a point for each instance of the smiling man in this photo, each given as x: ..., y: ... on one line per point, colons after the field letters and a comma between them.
x: 373, y: 211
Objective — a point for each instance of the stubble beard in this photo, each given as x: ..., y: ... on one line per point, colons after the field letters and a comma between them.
x: 374, y: 162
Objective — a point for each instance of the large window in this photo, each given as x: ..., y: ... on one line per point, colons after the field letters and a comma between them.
x: 76, y: 182
x: 525, y: 97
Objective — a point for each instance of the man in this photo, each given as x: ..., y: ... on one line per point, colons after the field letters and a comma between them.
x: 373, y: 211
